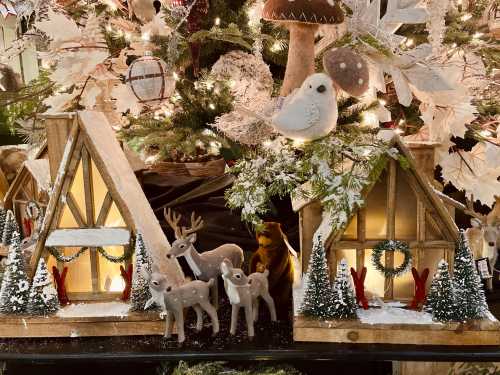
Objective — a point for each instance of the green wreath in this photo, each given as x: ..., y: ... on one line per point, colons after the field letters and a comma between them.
x: 391, y: 245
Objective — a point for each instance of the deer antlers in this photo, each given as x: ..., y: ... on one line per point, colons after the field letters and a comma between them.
x: 174, y: 218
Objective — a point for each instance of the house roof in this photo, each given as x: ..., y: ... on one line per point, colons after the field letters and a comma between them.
x: 422, y: 184
x: 38, y: 169
x: 93, y: 131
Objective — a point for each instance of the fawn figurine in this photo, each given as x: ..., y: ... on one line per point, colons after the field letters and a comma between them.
x: 206, y: 265
x: 173, y: 301
x: 244, y: 291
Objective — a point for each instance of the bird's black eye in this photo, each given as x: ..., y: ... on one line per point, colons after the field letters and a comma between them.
x: 238, y: 276
x: 321, y: 88
x: 182, y: 246
x: 310, y: 86
x: 155, y: 282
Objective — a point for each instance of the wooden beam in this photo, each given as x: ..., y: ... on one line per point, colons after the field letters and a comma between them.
x: 104, y: 212
x: 391, y: 224
x: 361, y: 231
x: 54, y: 199
x: 75, y: 210
x: 88, y: 237
x: 370, y: 243
x: 89, y: 207
x: 421, y: 229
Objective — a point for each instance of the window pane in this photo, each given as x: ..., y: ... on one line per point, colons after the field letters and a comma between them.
x: 109, y: 272
x: 376, y: 203
x: 374, y: 282
x: 406, y: 209
x: 79, y: 278
x: 404, y: 285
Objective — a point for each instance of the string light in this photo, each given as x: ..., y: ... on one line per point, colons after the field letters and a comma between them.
x: 477, y: 35
x: 145, y: 37
x: 217, y: 21
x: 466, y: 17
x: 382, y: 102
x: 276, y: 47
x: 211, y: 106
x: 370, y: 119
x: 176, y: 76
x: 485, y: 133
x: 409, y: 42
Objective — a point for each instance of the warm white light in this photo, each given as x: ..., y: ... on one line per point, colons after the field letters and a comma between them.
x: 117, y: 284
x: 298, y: 142
x: 466, y: 17
x: 146, y: 37
x: 370, y: 119
x: 477, y: 35
x: 217, y: 21
x: 128, y: 35
x: 399, y: 131
x: 485, y: 133
x: 382, y: 102
x: 176, y: 76
x: 275, y: 47
x: 454, y: 45
x: 409, y: 42
x: 109, y: 28
x: 401, y: 122
x: 211, y: 106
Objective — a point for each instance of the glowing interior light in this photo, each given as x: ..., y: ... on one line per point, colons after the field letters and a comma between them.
x: 117, y: 284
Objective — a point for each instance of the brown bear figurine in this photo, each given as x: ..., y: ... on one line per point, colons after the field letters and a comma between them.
x: 273, y: 254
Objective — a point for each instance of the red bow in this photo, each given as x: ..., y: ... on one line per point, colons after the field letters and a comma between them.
x: 420, y: 281
x: 359, y: 282
x: 127, y: 277
x: 61, y: 288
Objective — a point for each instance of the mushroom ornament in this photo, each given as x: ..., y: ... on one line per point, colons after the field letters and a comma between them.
x: 310, y: 112
x: 348, y: 70
x: 302, y: 17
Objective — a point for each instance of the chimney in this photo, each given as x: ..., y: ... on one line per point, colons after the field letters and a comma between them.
x: 57, y: 127
x: 424, y: 154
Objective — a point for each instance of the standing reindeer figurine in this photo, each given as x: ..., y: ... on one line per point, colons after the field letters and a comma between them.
x: 205, y: 266
x: 173, y: 301
x: 244, y: 292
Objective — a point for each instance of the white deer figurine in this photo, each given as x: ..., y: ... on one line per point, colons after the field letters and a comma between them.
x: 206, y: 265
x: 484, y: 241
x: 245, y: 291
x: 173, y: 300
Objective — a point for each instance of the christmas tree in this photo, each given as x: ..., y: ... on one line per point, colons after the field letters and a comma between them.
x: 441, y: 300
x: 10, y: 226
x: 15, y: 288
x: 470, y: 298
x: 3, y: 215
x: 43, y: 296
x: 344, y: 302
x: 318, y: 296
x: 140, y: 288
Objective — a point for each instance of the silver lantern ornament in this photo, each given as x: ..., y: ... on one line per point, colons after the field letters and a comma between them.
x: 149, y: 79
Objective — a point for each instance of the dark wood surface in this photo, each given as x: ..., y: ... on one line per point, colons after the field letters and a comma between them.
x: 156, y: 349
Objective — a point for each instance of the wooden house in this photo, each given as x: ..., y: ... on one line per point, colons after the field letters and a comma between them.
x: 96, y: 208
x: 11, y: 28
x: 400, y: 205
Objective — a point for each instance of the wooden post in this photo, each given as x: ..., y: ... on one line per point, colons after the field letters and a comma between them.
x: 360, y: 251
x: 391, y: 224
x: 4, y: 185
x: 310, y: 219
x: 57, y: 127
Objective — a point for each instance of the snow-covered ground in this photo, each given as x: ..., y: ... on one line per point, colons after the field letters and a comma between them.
x: 98, y: 309
x: 394, y: 315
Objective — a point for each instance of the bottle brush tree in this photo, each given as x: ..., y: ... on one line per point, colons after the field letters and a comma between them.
x: 344, y: 302
x: 140, y: 288
x: 441, y: 299
x: 470, y: 297
x: 43, y: 296
x: 15, y: 288
x: 318, y: 298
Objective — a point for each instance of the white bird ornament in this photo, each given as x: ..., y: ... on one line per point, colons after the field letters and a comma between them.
x: 310, y: 112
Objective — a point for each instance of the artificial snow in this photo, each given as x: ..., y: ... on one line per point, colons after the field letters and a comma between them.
x: 99, y: 309
x: 394, y: 315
